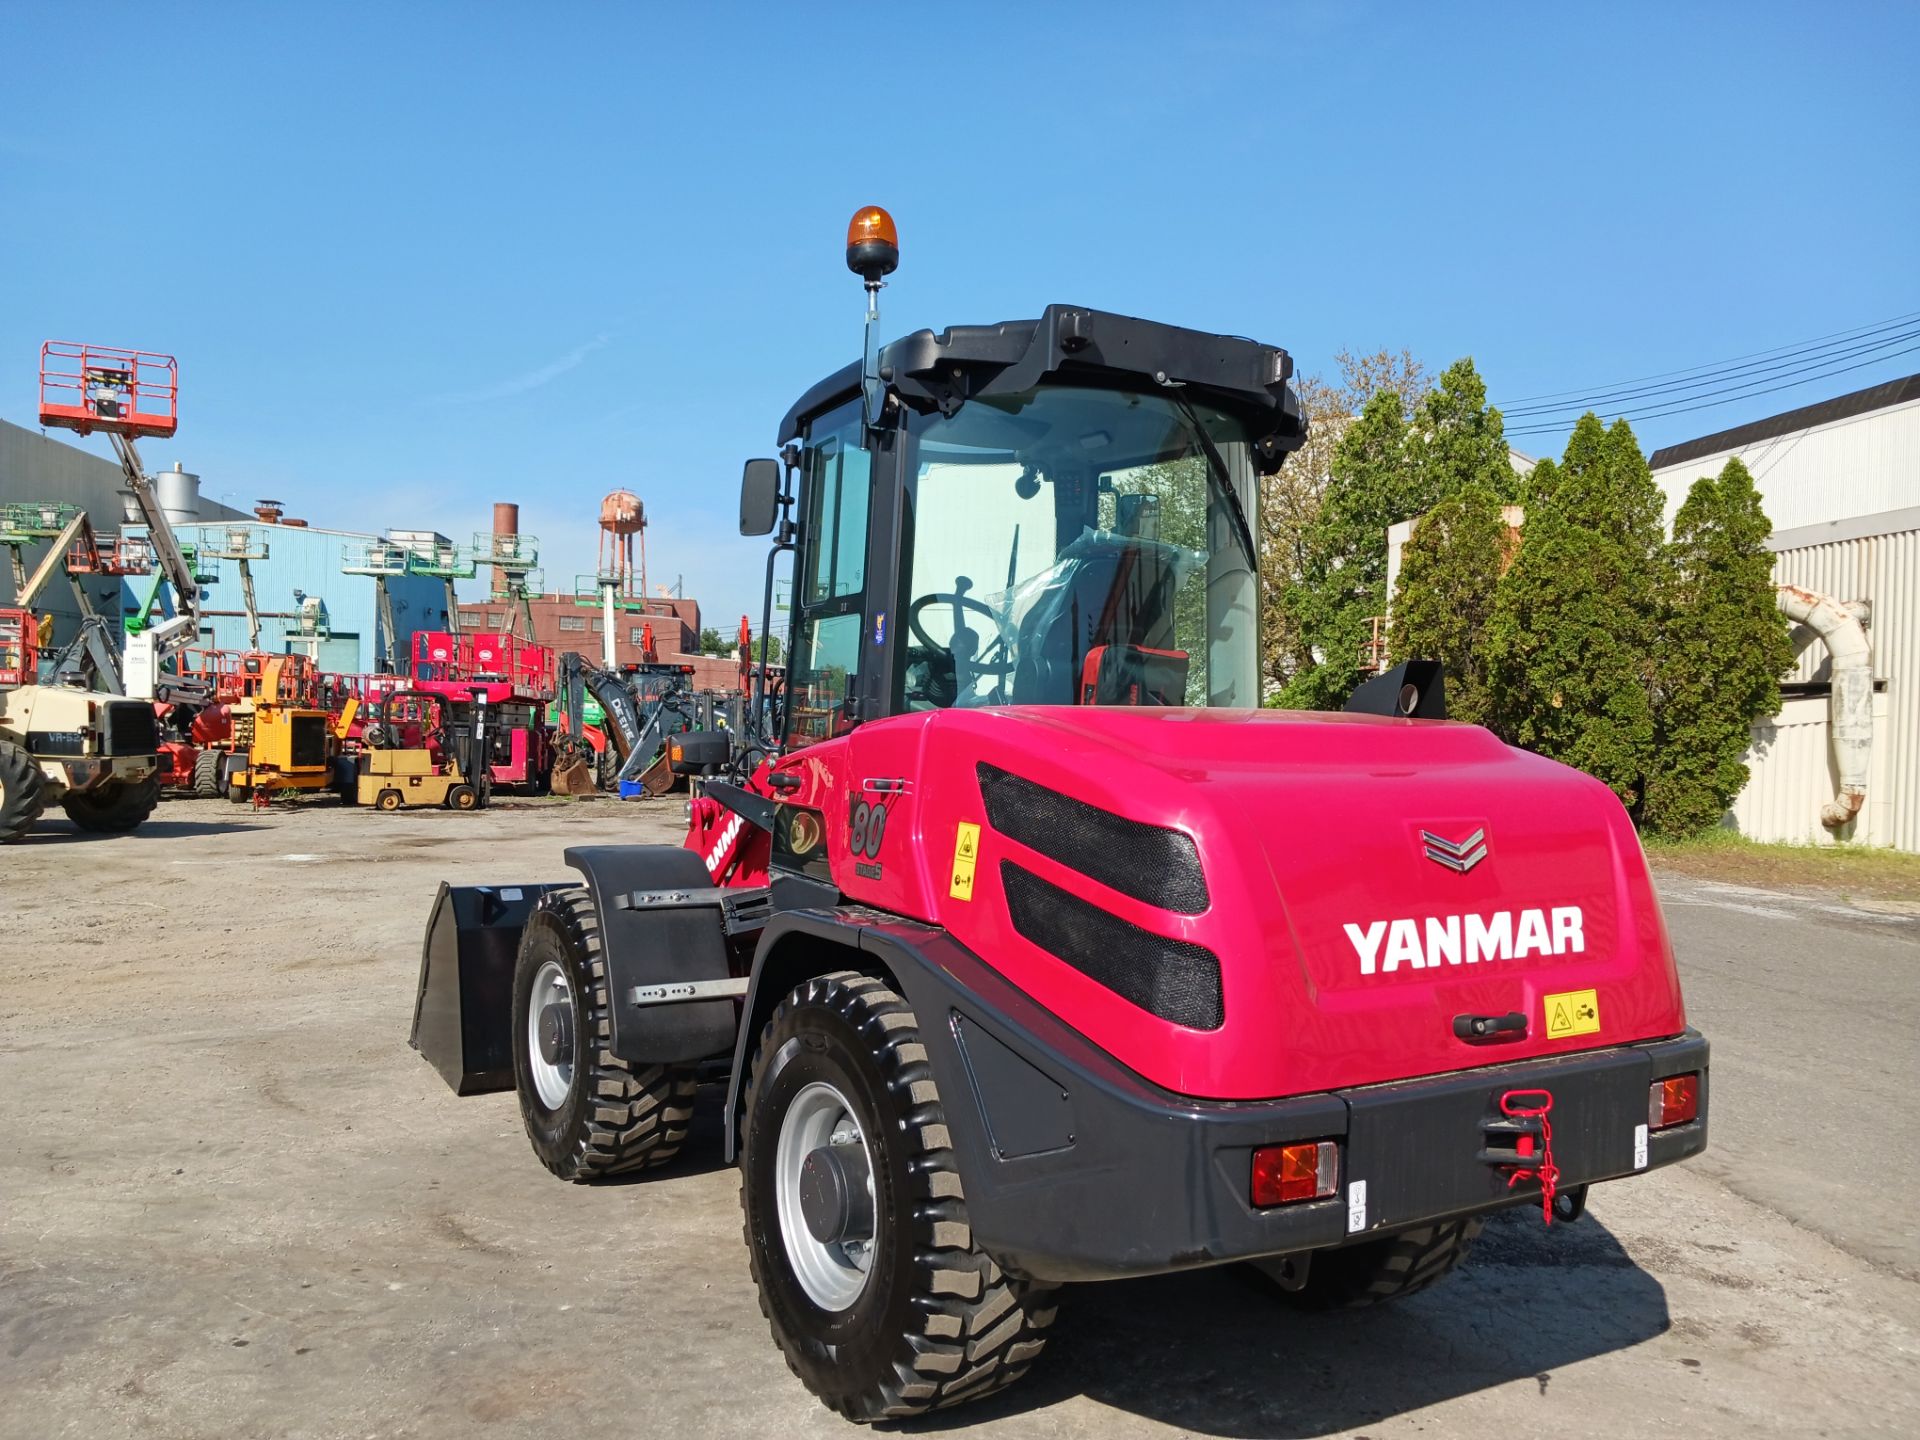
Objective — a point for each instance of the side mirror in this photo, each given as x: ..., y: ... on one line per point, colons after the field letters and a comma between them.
x: 759, y: 497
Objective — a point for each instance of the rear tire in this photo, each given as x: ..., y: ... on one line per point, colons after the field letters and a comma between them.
x: 593, y: 1114
x: 387, y: 800
x: 113, y: 809
x: 206, y: 775
x: 606, y: 769
x: 907, y: 1314
x: 23, y: 792
x: 1389, y: 1268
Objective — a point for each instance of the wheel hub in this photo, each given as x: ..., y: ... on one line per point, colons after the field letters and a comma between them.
x: 556, y: 1033
x: 550, y: 1035
x: 824, y: 1193
x: 836, y: 1193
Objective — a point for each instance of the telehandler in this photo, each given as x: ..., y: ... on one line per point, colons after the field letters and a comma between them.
x: 1033, y: 949
x: 94, y: 754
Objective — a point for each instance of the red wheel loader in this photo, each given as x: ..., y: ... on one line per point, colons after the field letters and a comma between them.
x: 1034, y: 950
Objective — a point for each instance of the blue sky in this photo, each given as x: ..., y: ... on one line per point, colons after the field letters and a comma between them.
x: 417, y: 258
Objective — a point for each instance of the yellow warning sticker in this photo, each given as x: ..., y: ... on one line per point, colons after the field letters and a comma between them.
x: 1574, y: 1012
x: 966, y: 854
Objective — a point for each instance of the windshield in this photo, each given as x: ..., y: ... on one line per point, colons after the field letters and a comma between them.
x: 1079, y: 546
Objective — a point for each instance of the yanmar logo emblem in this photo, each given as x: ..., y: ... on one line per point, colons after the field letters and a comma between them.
x: 1385, y: 945
x: 1460, y: 855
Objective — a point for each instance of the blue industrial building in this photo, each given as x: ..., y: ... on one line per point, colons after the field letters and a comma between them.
x: 303, y: 564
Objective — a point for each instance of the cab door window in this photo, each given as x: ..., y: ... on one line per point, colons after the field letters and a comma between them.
x: 823, y: 678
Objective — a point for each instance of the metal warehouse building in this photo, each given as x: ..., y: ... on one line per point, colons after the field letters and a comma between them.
x: 301, y: 573
x: 1841, y: 483
x: 301, y: 563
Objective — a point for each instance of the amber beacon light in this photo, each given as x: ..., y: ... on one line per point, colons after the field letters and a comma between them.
x: 873, y: 245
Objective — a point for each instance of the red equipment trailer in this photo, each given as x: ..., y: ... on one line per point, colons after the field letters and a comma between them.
x: 1037, y: 952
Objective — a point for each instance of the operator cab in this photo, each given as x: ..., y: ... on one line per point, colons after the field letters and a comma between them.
x: 1051, y: 512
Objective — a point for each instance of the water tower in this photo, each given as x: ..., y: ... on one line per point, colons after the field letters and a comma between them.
x: 618, y: 585
x: 623, y: 519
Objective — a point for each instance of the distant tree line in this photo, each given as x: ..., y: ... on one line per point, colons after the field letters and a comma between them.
x: 1587, y: 635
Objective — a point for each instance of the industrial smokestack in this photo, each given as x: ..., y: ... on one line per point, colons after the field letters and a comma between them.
x: 268, y: 511
x: 506, y: 521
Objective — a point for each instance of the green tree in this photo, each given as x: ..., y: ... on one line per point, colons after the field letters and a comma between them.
x: 1459, y: 440
x: 1576, y: 623
x: 1343, y: 580
x: 712, y: 642
x: 1449, y: 574
x: 1725, y: 647
x: 769, y: 646
x: 1290, y: 498
x: 1397, y: 461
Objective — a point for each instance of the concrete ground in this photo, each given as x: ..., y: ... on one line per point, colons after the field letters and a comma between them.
x: 234, y: 1203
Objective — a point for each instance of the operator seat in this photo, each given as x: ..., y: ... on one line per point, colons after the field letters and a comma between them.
x: 1108, y: 589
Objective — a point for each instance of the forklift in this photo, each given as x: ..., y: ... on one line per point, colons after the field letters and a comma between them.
x: 416, y: 751
x: 1035, y: 950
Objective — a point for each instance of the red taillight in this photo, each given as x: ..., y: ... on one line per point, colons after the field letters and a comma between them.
x: 1674, y: 1101
x: 1284, y: 1174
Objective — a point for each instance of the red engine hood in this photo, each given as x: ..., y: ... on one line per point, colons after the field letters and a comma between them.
x: 1369, y: 881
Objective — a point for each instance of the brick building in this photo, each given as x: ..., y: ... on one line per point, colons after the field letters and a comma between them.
x: 564, y: 623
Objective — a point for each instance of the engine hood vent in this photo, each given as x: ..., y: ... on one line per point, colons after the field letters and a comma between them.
x: 1148, y: 863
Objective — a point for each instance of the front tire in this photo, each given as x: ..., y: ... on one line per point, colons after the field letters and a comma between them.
x: 587, y: 1112
x: 115, y: 808
x: 884, y: 1307
x: 23, y: 793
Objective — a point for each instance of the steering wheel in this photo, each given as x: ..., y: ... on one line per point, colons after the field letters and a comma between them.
x: 971, y: 660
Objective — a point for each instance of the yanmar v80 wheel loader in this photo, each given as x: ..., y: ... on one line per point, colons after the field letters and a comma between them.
x: 1036, y: 950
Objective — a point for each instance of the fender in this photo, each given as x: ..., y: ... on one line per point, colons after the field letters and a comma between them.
x: 662, y: 922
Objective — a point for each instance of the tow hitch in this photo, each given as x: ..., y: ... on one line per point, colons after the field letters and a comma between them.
x: 1525, y: 1124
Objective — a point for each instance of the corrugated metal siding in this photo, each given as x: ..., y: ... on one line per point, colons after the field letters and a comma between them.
x: 1792, y: 767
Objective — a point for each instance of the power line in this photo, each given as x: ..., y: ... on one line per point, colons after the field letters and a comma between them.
x: 1745, y: 373
x: 1857, y: 330
x: 1715, y: 404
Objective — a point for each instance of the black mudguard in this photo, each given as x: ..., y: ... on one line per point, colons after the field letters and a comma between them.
x: 463, y: 1008
x: 661, y: 923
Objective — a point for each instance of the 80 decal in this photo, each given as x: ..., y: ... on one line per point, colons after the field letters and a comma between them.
x: 866, y: 828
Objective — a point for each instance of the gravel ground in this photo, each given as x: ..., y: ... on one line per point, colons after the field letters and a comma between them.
x: 234, y: 1203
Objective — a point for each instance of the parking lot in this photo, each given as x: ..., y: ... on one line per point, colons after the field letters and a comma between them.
x: 234, y: 1203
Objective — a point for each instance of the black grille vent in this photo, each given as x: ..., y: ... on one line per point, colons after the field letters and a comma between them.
x: 1145, y: 862
x: 130, y: 729
x: 309, y: 741
x: 1174, y: 979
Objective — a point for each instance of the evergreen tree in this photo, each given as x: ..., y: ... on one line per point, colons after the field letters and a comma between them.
x: 1449, y: 574
x: 1459, y: 440
x: 1343, y: 581
x: 1452, y: 564
x: 1725, y: 648
x: 1572, y: 646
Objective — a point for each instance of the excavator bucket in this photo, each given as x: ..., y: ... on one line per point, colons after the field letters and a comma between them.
x: 463, y: 1010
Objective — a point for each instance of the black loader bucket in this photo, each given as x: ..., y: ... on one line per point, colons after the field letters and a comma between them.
x: 463, y: 1011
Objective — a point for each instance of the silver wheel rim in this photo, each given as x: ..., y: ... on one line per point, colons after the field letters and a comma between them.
x: 551, y: 1082
x: 832, y: 1273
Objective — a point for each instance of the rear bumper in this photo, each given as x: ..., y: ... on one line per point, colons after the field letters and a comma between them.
x: 1077, y: 1169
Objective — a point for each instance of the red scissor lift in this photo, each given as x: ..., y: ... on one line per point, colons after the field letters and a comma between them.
x: 517, y: 679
